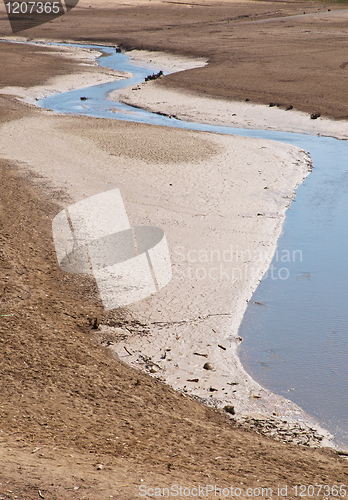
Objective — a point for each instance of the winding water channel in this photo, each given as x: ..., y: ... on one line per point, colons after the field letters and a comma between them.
x: 295, y: 329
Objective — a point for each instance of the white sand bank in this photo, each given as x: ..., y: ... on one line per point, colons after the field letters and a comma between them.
x: 188, y: 106
x: 207, y: 192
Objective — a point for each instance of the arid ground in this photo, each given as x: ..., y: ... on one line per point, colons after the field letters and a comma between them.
x: 291, y: 53
x: 75, y: 422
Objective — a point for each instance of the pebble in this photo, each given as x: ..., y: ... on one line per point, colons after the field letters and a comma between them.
x: 208, y: 366
x: 283, y: 430
x: 229, y: 409
x: 277, y: 428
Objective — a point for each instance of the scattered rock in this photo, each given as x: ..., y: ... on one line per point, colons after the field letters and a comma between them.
x: 208, y: 366
x: 95, y: 324
x: 199, y: 354
x: 283, y: 430
x: 83, y: 98
x: 100, y: 466
x: 247, y: 100
x: 193, y: 380
x: 289, y: 107
x: 153, y: 369
x: 314, y: 116
x: 154, y: 76
x: 212, y: 389
x: 222, y: 347
x: 229, y: 409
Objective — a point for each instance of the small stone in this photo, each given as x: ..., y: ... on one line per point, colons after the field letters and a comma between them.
x: 95, y: 323
x: 208, y: 366
x: 229, y: 409
x: 154, y: 370
x: 100, y: 466
x: 314, y: 116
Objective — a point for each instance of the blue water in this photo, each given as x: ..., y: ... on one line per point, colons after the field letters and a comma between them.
x: 296, y: 337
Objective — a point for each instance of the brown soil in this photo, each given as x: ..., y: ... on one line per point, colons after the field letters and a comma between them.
x: 25, y: 65
x: 66, y: 405
x: 256, y: 50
